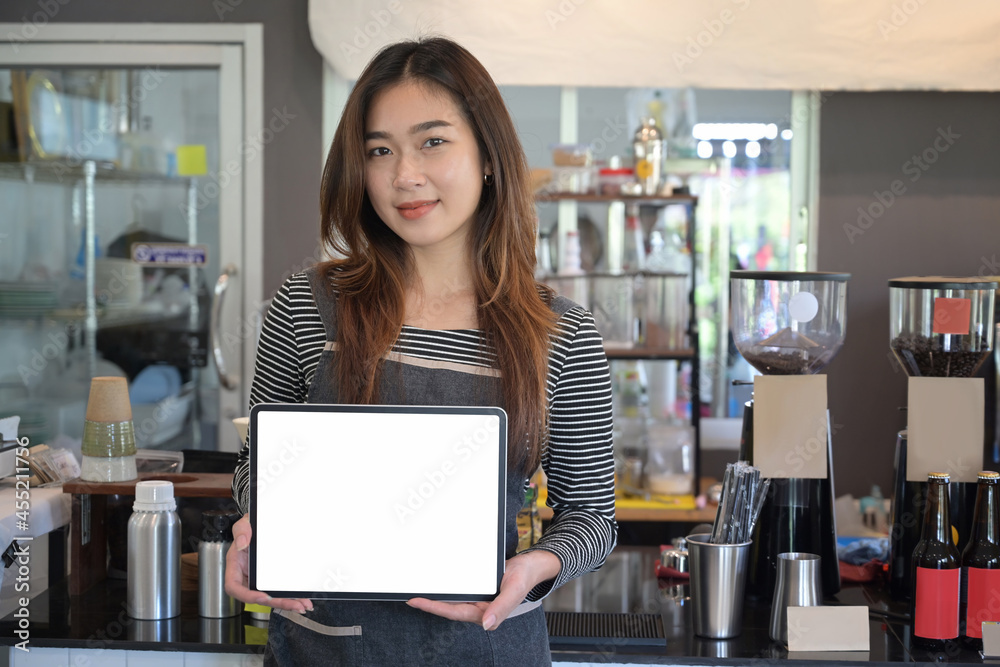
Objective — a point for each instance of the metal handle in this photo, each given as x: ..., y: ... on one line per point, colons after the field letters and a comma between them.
x: 227, y: 381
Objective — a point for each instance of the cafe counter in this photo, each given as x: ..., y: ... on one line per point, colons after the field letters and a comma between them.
x: 93, y: 628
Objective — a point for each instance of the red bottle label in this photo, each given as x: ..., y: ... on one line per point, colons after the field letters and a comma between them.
x: 937, y: 603
x: 984, y: 600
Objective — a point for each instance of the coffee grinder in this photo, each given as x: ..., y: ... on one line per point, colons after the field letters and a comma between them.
x: 790, y: 323
x: 940, y: 327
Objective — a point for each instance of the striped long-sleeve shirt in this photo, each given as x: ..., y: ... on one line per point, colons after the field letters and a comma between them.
x: 577, y: 459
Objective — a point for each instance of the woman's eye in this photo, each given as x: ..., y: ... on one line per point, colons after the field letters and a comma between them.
x: 378, y: 152
x: 433, y: 142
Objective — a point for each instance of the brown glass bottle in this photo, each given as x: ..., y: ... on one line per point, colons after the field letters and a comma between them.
x: 936, y: 572
x: 981, y: 563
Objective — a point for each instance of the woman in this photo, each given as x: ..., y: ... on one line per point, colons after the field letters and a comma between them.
x: 426, y: 197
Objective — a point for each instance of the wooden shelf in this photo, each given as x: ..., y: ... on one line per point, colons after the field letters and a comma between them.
x: 90, y: 517
x: 669, y: 514
x: 186, y: 485
x: 650, y: 200
x: 706, y: 515
x: 649, y: 353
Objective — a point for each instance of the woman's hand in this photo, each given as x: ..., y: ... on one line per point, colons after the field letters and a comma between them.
x: 522, y: 573
x: 236, y: 574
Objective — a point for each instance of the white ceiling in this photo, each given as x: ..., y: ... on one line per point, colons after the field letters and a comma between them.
x: 743, y: 44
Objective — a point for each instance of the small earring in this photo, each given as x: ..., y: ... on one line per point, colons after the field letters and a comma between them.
x: 488, y: 179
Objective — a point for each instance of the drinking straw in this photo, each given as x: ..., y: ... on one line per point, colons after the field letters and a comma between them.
x: 743, y: 495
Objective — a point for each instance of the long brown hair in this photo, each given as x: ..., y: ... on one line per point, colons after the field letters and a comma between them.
x: 513, y: 316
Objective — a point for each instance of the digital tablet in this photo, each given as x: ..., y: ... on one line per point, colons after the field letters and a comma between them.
x: 377, y: 502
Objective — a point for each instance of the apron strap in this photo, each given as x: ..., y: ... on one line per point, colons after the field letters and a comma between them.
x: 325, y: 301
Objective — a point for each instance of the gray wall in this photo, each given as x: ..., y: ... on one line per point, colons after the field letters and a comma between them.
x: 945, y: 222
x: 293, y: 78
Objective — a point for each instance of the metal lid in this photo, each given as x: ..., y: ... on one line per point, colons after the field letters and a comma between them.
x: 217, y: 525
x: 989, y: 475
x: 804, y: 276
x: 938, y: 477
x: 944, y: 282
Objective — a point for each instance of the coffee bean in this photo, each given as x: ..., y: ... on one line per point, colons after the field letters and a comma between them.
x: 923, y: 356
x: 775, y: 363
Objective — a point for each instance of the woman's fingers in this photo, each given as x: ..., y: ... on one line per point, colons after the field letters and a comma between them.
x: 237, y: 567
x: 471, y: 612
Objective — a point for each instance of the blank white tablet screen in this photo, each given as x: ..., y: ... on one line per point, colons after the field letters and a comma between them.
x: 378, y: 503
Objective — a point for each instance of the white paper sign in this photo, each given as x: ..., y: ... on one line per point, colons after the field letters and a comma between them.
x: 790, y: 425
x: 944, y: 428
x: 828, y: 629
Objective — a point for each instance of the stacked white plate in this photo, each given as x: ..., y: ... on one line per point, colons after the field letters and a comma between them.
x: 26, y: 299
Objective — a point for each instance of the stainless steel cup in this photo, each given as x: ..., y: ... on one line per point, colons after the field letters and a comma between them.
x: 718, y: 577
x: 798, y: 585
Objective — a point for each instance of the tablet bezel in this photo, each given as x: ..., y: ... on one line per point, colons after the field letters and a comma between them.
x: 501, y: 528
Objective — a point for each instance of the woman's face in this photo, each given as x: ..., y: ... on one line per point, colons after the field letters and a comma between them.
x: 423, y: 169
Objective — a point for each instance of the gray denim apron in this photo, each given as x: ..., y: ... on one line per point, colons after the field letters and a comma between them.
x: 392, y: 633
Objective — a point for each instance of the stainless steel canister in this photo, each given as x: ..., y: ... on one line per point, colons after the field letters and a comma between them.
x: 217, y: 536
x: 154, y: 553
x: 798, y: 585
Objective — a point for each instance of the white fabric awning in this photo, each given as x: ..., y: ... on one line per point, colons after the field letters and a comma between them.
x: 755, y: 44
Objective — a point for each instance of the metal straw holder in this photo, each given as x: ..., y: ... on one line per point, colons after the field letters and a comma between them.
x: 718, y: 578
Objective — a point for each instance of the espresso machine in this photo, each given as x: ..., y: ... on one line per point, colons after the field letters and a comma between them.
x: 790, y: 323
x: 939, y: 327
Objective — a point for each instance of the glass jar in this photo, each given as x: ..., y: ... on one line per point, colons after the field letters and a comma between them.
x: 941, y: 326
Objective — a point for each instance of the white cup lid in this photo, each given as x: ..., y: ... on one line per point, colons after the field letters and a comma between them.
x: 154, y: 495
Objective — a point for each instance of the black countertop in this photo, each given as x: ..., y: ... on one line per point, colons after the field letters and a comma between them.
x: 97, y: 620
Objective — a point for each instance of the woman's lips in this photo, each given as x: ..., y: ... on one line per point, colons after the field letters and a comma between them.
x: 417, y: 209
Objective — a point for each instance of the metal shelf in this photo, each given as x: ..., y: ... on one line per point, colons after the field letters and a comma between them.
x: 650, y: 200
x: 690, y: 202
x: 58, y: 171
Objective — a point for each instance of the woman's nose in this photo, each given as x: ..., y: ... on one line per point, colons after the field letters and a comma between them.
x: 408, y: 173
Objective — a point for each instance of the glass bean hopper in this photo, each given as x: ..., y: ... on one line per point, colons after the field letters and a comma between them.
x: 790, y: 323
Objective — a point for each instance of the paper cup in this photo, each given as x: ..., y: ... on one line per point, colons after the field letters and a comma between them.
x: 108, y: 400
x: 242, y: 425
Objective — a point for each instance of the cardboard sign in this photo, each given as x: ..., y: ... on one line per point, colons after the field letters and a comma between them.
x: 790, y: 426
x: 991, y: 639
x: 945, y: 428
x: 828, y: 629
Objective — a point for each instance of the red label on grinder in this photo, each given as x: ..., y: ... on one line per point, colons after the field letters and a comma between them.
x: 951, y: 316
x: 984, y: 600
x: 937, y: 603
